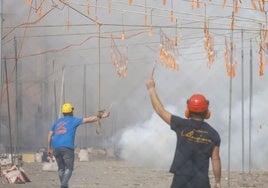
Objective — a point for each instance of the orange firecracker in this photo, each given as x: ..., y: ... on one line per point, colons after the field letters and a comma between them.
x: 236, y: 6
x: 171, y: 16
x: 265, y: 35
x: 39, y: 11
x: 28, y: 2
x: 151, y: 31
x: 198, y: 4
x: 260, y: 60
x: 209, y: 45
x: 109, y: 4
x: 232, y: 23
x: 96, y: 20
x: 145, y: 19
x: 253, y: 4
x: 230, y: 69
x: 223, y: 4
x: 68, y: 24
x: 119, y: 60
x: 123, y: 34
x: 167, y: 59
x: 88, y: 9
x: 192, y: 4
x: 176, y: 43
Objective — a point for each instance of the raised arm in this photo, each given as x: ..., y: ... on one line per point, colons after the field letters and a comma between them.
x: 157, y: 105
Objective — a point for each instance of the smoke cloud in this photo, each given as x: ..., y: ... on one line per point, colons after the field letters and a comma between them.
x: 152, y: 142
x: 149, y: 144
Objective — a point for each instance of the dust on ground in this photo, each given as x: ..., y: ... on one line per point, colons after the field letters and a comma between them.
x: 114, y: 173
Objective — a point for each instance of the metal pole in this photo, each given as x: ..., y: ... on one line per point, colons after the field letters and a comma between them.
x: 242, y: 101
x: 98, y: 126
x: 9, y: 119
x: 62, y: 98
x: 230, y: 106
x: 250, y: 104
x: 1, y: 28
x: 54, y: 91
x: 85, y: 103
x: 18, y: 116
x: 1, y: 31
x: 99, y: 52
x: 17, y: 99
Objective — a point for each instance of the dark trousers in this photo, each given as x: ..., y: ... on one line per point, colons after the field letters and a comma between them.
x: 65, y: 161
x: 180, y: 181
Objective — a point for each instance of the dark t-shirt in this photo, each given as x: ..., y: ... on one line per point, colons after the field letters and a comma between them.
x: 195, y: 143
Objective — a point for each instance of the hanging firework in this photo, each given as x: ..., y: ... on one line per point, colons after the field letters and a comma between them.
x: 209, y: 45
x: 167, y: 52
x: 230, y: 66
x: 119, y: 60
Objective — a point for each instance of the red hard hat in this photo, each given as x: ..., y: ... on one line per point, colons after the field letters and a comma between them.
x: 197, y: 103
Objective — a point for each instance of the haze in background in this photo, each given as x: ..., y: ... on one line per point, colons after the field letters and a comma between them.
x: 59, y: 64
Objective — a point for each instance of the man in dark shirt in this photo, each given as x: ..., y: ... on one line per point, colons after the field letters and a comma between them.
x: 197, y: 142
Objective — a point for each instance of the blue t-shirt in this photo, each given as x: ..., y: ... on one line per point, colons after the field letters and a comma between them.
x: 195, y: 143
x: 64, y: 130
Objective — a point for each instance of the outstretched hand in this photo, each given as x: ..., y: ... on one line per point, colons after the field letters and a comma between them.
x: 150, y: 82
x: 104, y: 113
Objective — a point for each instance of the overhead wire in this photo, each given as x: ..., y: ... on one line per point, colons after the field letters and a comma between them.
x: 154, y: 15
x: 131, y: 25
x: 140, y: 5
x: 198, y: 16
x: 27, y: 23
x: 185, y: 23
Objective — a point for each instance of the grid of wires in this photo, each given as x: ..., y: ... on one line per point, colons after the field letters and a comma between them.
x: 189, y: 21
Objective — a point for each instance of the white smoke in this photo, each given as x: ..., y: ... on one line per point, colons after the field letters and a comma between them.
x: 149, y: 144
x: 255, y: 134
x: 152, y: 143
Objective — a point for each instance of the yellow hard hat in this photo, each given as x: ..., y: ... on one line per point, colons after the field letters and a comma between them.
x: 67, y: 108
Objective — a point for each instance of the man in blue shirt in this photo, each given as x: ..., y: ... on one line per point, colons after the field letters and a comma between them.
x: 61, y: 138
x: 197, y: 142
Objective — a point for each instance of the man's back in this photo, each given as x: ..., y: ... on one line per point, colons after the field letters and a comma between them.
x: 195, y: 143
x: 64, y: 130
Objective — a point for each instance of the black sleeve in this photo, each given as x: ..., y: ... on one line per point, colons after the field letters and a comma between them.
x: 175, y: 122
